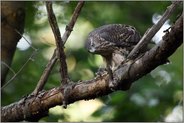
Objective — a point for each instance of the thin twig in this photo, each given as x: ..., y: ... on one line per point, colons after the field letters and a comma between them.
x: 4, y: 63
x: 69, y: 27
x: 153, y: 30
x: 30, y: 58
x: 53, y: 59
x: 35, y: 49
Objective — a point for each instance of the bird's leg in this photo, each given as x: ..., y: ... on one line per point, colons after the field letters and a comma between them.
x: 112, y: 84
x: 112, y: 62
x: 125, y: 65
x: 124, y: 72
x: 109, y: 70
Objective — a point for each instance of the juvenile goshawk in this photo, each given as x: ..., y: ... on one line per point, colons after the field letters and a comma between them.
x: 113, y: 42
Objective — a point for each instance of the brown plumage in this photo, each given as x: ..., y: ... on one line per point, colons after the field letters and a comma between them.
x: 113, y: 42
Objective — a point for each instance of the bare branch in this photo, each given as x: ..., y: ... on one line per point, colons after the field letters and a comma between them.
x: 45, y: 74
x: 59, y: 42
x: 53, y: 59
x: 69, y: 27
x: 31, y: 107
x: 15, y: 75
x: 8, y: 67
x: 153, y: 30
x: 151, y: 59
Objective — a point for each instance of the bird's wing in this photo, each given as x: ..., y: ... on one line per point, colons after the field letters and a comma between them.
x: 119, y: 35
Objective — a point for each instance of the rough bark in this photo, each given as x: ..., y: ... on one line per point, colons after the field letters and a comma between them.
x: 12, y: 21
x: 32, y: 108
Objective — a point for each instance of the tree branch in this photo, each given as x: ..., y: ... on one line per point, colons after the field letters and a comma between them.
x: 151, y: 59
x: 53, y: 59
x: 152, y: 31
x: 32, y: 107
x: 69, y: 27
x: 59, y: 42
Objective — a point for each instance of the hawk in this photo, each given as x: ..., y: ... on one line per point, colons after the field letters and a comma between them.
x: 113, y: 42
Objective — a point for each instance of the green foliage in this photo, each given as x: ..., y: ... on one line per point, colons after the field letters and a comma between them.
x: 151, y: 98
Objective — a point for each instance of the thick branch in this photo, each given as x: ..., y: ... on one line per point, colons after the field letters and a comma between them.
x: 151, y: 59
x: 34, y: 107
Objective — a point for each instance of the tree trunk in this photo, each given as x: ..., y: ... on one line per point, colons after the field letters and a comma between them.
x: 12, y: 26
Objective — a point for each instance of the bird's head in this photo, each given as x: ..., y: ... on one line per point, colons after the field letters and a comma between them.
x: 96, y: 44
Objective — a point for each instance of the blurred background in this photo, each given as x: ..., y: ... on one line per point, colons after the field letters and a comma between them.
x: 155, y: 97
